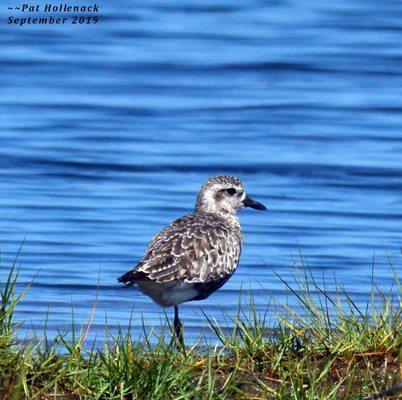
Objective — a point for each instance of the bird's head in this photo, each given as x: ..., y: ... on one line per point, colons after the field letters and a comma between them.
x: 224, y: 195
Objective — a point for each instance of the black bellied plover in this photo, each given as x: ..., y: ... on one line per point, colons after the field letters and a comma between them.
x: 196, y: 254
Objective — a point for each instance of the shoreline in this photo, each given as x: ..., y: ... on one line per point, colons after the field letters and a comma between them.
x: 350, y: 354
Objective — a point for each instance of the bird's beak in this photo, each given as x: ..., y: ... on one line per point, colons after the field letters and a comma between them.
x: 248, y: 202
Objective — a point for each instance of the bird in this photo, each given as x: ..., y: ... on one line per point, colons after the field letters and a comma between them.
x: 196, y: 254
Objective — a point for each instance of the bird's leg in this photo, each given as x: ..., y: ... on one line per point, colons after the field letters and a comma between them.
x: 178, y: 328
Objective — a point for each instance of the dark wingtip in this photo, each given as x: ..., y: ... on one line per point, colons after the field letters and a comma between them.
x: 127, y: 277
x: 130, y: 278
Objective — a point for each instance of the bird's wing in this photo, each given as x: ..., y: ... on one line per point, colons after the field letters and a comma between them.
x: 191, y: 249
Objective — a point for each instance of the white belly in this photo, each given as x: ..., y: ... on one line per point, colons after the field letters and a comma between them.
x: 168, y: 294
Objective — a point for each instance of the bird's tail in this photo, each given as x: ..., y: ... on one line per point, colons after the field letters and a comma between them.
x: 128, y: 277
x: 131, y: 277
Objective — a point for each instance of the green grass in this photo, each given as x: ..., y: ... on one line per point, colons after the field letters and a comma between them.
x: 331, y: 350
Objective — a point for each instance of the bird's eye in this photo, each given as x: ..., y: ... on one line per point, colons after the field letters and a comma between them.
x: 231, y: 191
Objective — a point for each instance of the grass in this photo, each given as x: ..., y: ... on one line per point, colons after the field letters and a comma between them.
x: 330, y: 350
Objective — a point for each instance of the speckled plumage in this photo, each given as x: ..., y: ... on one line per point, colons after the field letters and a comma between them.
x: 198, y: 253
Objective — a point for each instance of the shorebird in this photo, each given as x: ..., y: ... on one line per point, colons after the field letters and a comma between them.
x: 196, y: 254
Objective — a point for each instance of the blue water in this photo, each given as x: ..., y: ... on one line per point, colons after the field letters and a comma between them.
x: 107, y: 131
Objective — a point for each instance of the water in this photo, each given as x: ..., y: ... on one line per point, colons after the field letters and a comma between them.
x: 108, y: 130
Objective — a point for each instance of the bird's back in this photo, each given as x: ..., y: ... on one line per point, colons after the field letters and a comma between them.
x: 200, y: 247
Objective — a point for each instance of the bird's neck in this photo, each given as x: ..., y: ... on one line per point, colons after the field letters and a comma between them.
x: 229, y: 217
